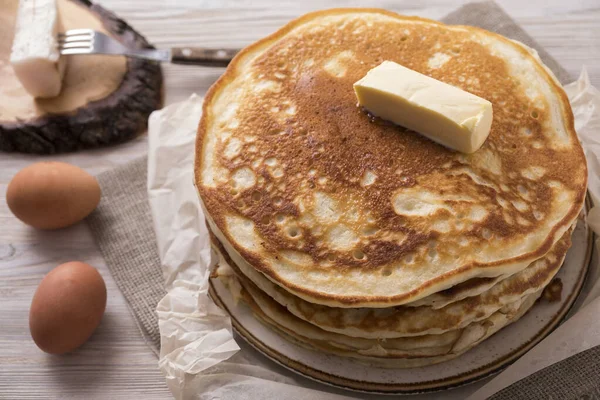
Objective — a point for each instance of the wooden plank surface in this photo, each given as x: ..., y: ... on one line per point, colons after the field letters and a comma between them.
x: 116, y: 363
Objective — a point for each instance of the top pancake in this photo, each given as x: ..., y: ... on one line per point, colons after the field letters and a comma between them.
x: 346, y: 212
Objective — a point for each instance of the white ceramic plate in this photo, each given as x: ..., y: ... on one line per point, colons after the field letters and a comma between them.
x: 487, y: 358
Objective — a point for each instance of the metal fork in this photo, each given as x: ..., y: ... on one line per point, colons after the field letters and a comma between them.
x: 88, y: 41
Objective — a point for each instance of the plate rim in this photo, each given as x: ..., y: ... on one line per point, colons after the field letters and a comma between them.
x: 471, y: 376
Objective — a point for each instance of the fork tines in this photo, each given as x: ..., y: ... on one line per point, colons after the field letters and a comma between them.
x: 75, y: 41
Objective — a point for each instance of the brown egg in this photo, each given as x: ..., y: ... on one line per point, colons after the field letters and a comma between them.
x: 67, y: 307
x: 52, y: 195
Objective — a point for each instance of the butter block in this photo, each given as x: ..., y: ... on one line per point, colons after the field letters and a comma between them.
x: 443, y: 113
x: 35, y: 57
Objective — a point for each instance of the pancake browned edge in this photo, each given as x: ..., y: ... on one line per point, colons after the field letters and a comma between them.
x: 298, y: 184
x: 406, y: 352
x: 402, y: 321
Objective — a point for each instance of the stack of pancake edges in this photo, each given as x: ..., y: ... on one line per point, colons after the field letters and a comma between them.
x: 366, y: 240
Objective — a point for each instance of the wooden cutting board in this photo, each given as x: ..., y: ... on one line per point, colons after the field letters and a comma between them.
x: 104, y: 99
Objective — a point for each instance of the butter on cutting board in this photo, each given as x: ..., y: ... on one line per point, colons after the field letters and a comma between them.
x: 443, y: 113
x: 35, y: 57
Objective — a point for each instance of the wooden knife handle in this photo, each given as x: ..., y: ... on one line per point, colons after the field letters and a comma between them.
x: 201, y: 56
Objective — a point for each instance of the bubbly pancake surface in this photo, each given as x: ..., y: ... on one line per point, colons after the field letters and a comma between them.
x: 346, y: 212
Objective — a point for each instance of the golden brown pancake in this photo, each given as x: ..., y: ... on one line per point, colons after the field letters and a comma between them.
x: 344, y: 212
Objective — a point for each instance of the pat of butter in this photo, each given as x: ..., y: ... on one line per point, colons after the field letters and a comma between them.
x: 35, y: 58
x: 443, y: 113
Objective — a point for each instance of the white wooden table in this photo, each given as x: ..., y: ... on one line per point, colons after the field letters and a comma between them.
x: 116, y: 363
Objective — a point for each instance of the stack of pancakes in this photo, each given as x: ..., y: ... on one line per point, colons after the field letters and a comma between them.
x: 366, y: 240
